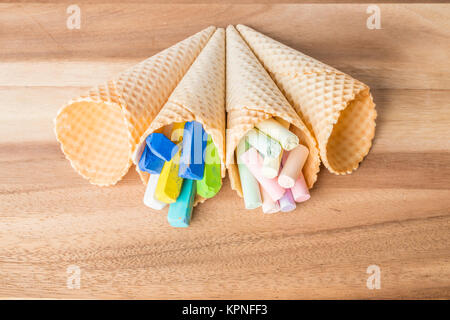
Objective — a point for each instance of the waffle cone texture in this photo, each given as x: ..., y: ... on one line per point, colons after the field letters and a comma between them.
x: 200, y: 96
x: 99, y: 131
x: 253, y: 97
x: 337, y: 108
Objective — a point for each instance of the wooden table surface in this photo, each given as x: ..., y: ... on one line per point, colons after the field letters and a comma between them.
x: 393, y: 212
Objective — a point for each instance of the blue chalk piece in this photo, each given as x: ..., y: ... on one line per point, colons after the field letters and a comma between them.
x: 180, y: 212
x: 149, y: 162
x: 192, y: 163
x: 161, y: 146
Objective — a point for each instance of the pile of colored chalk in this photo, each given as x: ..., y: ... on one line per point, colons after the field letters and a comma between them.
x: 270, y: 162
x: 181, y: 167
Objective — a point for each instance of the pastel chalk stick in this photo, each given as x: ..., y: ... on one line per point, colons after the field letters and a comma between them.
x: 254, y: 162
x: 249, y: 185
x: 192, y: 163
x: 212, y: 179
x: 161, y: 146
x: 180, y: 212
x: 269, y: 206
x: 149, y: 196
x: 287, y: 202
x: 149, y: 162
x: 267, y: 146
x: 277, y: 131
x: 292, y: 166
x: 300, y: 190
x: 271, y: 166
x: 169, y: 183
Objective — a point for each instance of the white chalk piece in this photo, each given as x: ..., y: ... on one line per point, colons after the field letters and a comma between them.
x: 275, y: 130
x: 269, y: 206
x: 292, y: 166
x: 271, y: 166
x: 267, y: 146
x: 149, y: 196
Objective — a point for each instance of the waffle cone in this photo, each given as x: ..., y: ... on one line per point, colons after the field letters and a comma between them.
x: 336, y: 107
x: 252, y: 97
x: 99, y: 131
x: 200, y: 96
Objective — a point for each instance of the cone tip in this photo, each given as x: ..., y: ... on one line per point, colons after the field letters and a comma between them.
x: 210, y: 29
x: 241, y: 26
x: 230, y: 27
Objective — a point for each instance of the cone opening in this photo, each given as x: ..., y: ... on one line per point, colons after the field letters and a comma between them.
x: 168, y: 131
x: 352, y: 135
x: 94, y: 137
x: 303, y: 138
x: 309, y: 170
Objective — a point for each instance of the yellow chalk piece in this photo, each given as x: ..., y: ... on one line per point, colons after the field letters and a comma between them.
x: 169, y: 183
x: 177, y: 132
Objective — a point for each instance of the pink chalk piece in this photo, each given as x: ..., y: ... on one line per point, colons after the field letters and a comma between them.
x: 292, y: 166
x: 254, y: 162
x: 300, y: 190
x: 269, y: 206
x: 287, y: 202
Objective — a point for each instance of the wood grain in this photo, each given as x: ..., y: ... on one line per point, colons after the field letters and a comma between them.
x: 392, y: 212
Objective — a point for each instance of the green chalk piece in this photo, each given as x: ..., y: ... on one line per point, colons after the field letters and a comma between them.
x: 212, y: 179
x: 180, y: 212
x: 250, y: 187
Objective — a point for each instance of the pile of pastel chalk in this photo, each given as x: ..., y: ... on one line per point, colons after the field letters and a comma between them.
x: 270, y: 160
x: 182, y: 165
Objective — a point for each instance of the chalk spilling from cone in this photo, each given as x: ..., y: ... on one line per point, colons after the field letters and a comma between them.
x: 188, y: 169
x: 220, y: 101
x: 188, y: 136
x: 277, y: 191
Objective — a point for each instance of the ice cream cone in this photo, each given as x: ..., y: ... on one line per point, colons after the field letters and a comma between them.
x: 200, y: 96
x: 99, y: 131
x: 253, y: 97
x: 337, y: 108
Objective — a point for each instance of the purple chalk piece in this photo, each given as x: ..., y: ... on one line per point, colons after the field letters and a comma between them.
x: 287, y: 202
